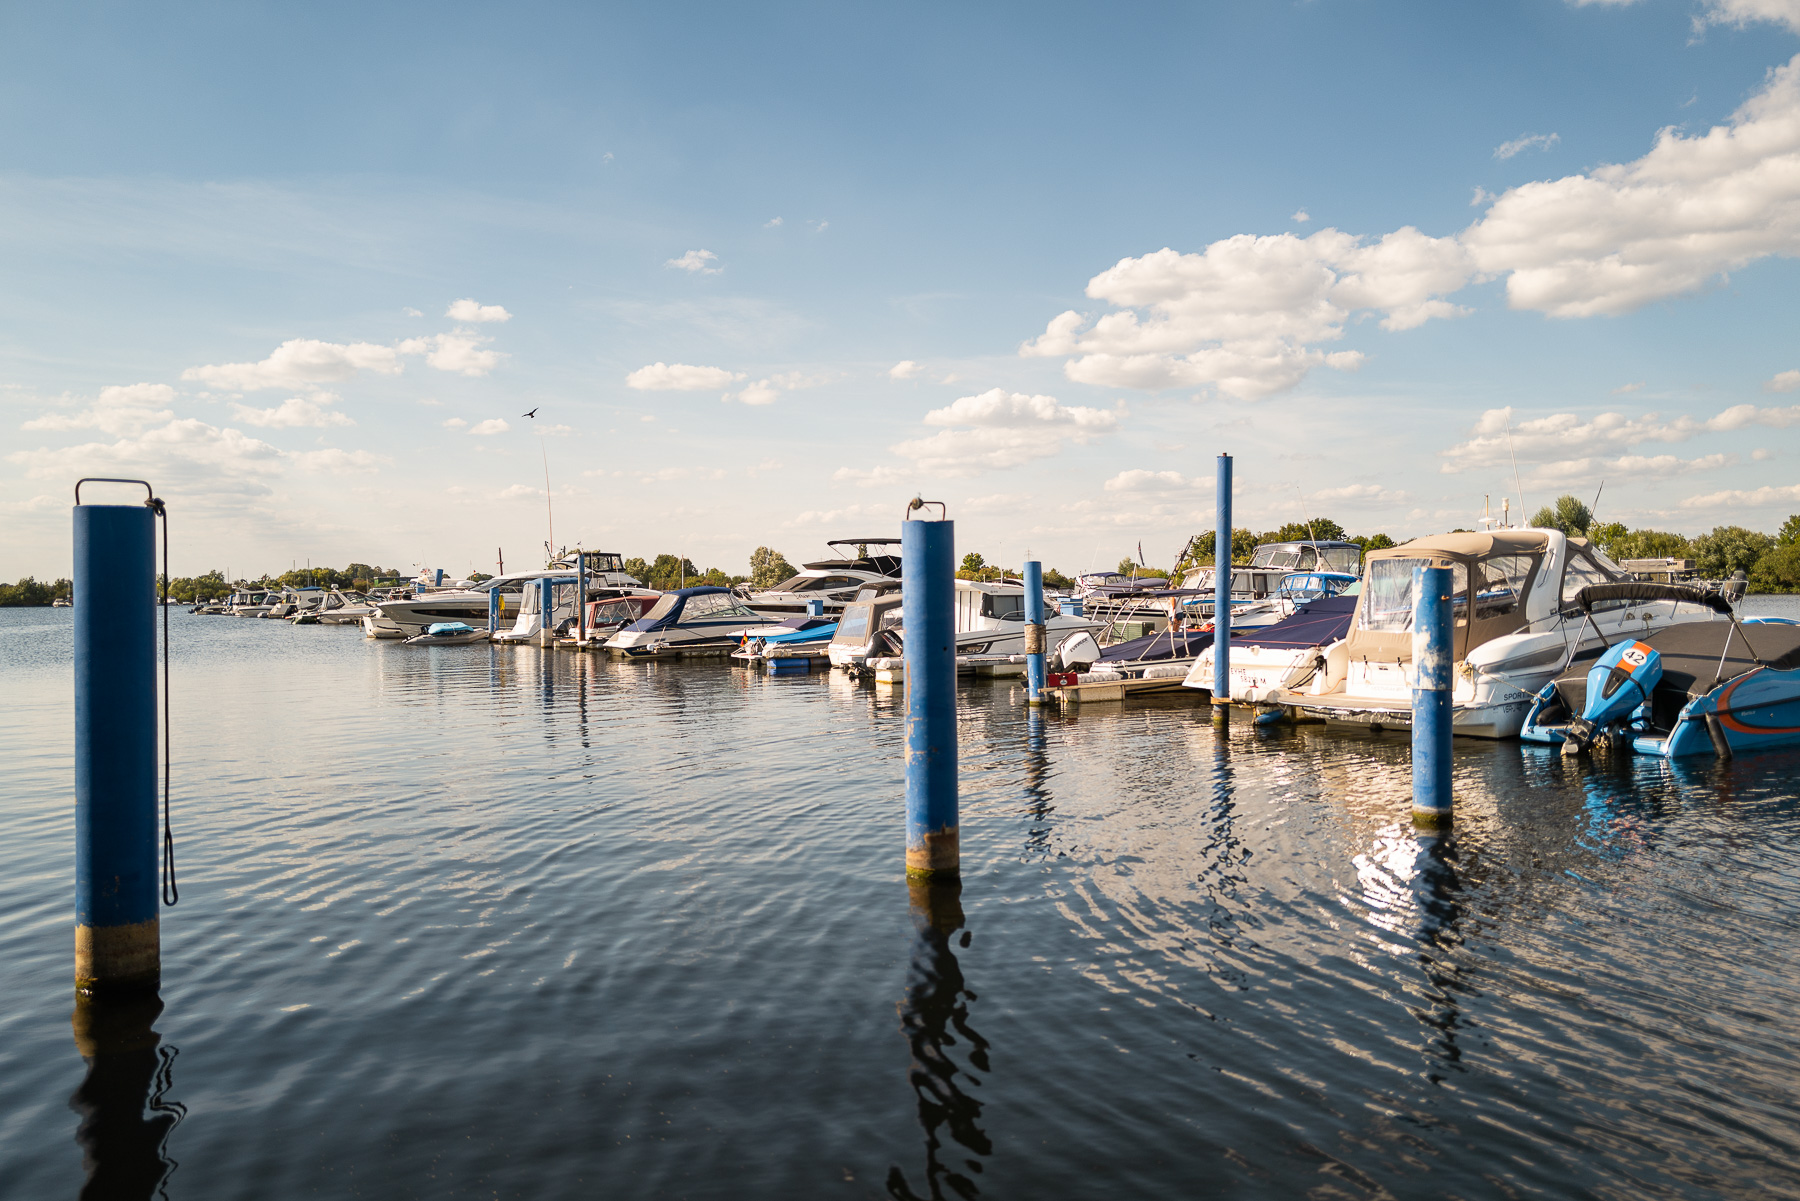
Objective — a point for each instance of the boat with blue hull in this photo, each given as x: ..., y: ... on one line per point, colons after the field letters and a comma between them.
x: 1702, y: 688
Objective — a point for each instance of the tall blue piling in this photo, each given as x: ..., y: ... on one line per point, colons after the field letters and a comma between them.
x: 1221, y: 692
x: 1034, y: 632
x: 546, y: 611
x: 1433, y: 666
x: 118, y: 945
x: 493, y: 610
x: 928, y: 606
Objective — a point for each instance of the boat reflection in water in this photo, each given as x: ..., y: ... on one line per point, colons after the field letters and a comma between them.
x: 125, y: 1120
x: 934, y: 1016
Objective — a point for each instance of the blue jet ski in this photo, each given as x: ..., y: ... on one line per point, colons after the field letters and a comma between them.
x: 1690, y: 689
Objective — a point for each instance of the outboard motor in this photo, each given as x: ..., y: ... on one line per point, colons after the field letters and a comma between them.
x: 1622, y: 679
x: 1077, y: 652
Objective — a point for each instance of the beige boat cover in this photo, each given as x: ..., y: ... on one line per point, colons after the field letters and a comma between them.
x: 1464, y: 552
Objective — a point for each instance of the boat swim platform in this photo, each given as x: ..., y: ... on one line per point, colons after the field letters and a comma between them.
x: 1103, y: 691
x: 1374, y: 713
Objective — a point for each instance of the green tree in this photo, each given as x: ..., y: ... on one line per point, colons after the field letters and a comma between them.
x: 29, y: 591
x: 1649, y: 544
x: 637, y: 569
x: 671, y: 571
x: 1778, y: 570
x: 1243, y: 546
x: 1789, y: 533
x: 1729, y: 548
x: 1056, y: 579
x: 973, y: 563
x: 768, y: 567
x: 1320, y: 529
x: 1568, y: 515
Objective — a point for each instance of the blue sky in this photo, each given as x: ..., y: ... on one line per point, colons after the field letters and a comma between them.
x: 766, y: 274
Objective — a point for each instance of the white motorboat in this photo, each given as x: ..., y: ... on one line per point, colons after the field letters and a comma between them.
x: 252, y: 602
x: 990, y: 622
x: 685, y: 621
x: 1290, y: 653
x: 1517, y: 625
x: 829, y: 584
x: 606, y: 577
x: 345, y: 608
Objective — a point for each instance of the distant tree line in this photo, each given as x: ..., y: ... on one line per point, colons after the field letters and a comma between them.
x: 1771, y: 561
x: 29, y: 591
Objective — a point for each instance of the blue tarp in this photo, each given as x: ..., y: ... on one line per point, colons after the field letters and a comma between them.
x: 1160, y: 645
x: 1313, y: 624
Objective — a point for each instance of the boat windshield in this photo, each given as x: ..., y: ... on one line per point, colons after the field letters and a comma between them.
x: 854, y: 624
x: 1346, y: 559
x: 1387, y: 603
x: 712, y: 604
x: 663, y: 607
x: 815, y: 583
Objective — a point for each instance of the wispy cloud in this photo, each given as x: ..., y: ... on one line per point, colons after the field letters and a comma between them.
x: 681, y: 377
x: 1530, y: 141
x: 470, y: 311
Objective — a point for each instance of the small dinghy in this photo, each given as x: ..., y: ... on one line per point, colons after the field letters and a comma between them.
x: 1717, y: 687
x: 447, y: 633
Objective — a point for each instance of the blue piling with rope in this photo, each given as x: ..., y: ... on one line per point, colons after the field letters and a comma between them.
x: 1034, y: 632
x: 118, y: 945
x: 1221, y: 690
x: 928, y: 606
x: 1434, y: 678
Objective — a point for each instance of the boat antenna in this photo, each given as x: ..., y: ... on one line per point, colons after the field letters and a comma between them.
x: 549, y: 510
x: 1594, y: 508
x: 1310, y: 534
x: 1515, y: 460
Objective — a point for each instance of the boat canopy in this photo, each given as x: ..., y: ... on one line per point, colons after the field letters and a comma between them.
x: 1502, y: 564
x: 688, y: 604
x: 1320, y: 622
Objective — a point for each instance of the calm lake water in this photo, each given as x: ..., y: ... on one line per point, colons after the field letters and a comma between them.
x: 477, y: 922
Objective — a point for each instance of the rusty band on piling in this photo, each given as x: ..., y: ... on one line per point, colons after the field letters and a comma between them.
x: 1034, y: 638
x: 1432, y: 818
x: 118, y: 958
x: 938, y: 857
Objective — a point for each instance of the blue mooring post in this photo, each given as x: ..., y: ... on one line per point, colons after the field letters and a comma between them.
x: 546, y: 610
x: 1221, y: 691
x: 118, y: 945
x: 1034, y: 632
x: 928, y: 606
x: 493, y: 609
x: 1433, y: 663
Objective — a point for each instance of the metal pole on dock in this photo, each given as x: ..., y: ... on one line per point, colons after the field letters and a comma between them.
x: 118, y: 944
x: 1221, y: 691
x: 928, y: 607
x: 546, y: 611
x: 1433, y: 667
x: 1034, y: 632
x: 580, y: 599
x: 493, y: 610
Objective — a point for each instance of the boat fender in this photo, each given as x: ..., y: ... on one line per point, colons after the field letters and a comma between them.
x: 1716, y: 732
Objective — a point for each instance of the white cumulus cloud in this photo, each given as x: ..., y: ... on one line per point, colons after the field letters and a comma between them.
x: 696, y: 262
x: 904, y: 369
x: 298, y: 362
x: 681, y: 377
x: 1786, y: 381
x: 119, y: 409
x: 460, y: 352
x: 297, y: 412
x: 1568, y: 436
x: 490, y: 427
x: 469, y: 311
x: 1141, y: 480
x: 1744, y: 497
x: 1251, y: 316
x: 1744, y: 12
x: 998, y: 429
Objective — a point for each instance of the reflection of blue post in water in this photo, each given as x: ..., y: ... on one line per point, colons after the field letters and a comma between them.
x: 1034, y: 632
x: 934, y: 1015
x: 117, y: 936
x: 1037, y: 780
x: 122, y: 1147
x: 928, y: 605
x: 1221, y: 692
x: 1437, y: 892
x: 1433, y: 664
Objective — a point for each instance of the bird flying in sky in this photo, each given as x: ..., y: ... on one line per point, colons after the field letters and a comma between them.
x: 533, y: 413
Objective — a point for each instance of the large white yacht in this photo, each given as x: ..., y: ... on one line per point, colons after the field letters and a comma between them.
x: 830, y: 582
x: 1517, y: 626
